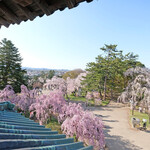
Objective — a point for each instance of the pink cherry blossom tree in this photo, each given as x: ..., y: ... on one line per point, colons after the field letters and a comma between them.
x: 8, y: 94
x: 138, y: 90
x: 56, y: 83
x: 74, y: 120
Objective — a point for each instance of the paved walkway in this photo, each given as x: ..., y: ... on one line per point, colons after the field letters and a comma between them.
x: 118, y: 133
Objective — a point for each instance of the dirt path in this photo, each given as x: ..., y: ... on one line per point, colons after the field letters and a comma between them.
x: 119, y: 135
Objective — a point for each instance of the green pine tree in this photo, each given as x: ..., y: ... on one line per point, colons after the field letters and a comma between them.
x: 106, y: 75
x: 10, y: 66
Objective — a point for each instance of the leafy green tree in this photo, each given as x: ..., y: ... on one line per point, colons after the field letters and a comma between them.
x: 50, y: 74
x: 10, y: 66
x: 106, y: 74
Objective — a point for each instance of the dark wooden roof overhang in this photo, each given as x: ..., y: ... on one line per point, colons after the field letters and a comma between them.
x: 16, y: 11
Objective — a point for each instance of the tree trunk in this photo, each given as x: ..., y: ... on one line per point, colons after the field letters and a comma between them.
x: 149, y: 118
x: 124, y: 83
x: 149, y: 115
x: 105, y: 81
x: 112, y: 95
x: 67, y: 97
x: 101, y: 97
x: 132, y: 111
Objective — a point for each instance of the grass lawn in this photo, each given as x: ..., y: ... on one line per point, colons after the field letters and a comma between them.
x: 104, y: 103
x: 90, y: 102
x: 74, y: 98
x: 54, y: 125
x: 141, y: 116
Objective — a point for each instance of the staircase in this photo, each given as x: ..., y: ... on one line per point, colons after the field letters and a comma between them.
x: 18, y: 132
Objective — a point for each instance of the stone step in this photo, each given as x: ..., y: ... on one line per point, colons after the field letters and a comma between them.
x: 71, y: 146
x: 10, y: 113
x: 20, y: 133
x: 16, y: 118
x: 86, y: 148
x: 17, y: 121
x: 19, y: 118
x: 24, y: 124
x: 30, y: 136
x: 9, y: 144
x: 23, y: 127
x: 3, y: 130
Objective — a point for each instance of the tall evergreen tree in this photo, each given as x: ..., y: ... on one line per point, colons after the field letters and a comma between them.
x: 106, y: 74
x: 10, y: 66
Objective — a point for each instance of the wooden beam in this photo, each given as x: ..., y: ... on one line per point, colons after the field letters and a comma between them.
x: 4, y: 22
x: 70, y: 3
x: 7, y: 12
x: 25, y: 11
x: 23, y: 3
x: 43, y: 6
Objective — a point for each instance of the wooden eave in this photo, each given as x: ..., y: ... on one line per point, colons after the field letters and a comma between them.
x: 16, y: 11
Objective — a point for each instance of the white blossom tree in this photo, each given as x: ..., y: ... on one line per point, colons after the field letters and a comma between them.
x: 138, y: 90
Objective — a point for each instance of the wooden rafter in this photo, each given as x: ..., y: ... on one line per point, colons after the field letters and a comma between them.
x: 70, y: 3
x: 23, y: 3
x: 9, y: 14
x: 43, y: 6
x: 15, y: 11
x: 25, y: 11
x: 4, y: 22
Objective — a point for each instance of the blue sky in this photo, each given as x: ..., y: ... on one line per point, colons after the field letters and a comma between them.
x: 70, y: 39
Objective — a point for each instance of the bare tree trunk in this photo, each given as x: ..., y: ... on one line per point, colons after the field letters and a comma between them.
x: 132, y: 111
x: 148, y: 111
x: 105, y: 88
x: 67, y: 96
x: 101, y: 97
x: 124, y: 83
x: 112, y: 95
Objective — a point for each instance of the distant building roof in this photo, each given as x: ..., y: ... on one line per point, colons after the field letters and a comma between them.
x: 16, y: 11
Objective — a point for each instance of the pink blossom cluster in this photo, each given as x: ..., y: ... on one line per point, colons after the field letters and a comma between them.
x: 69, y: 110
x: 75, y: 121
x: 26, y: 98
x: 86, y: 127
x: 8, y: 94
x: 137, y: 91
x: 89, y: 96
x: 56, y: 83
x: 22, y: 100
x: 70, y: 85
x: 96, y: 95
x: 67, y: 86
x: 93, y: 95
x: 48, y: 105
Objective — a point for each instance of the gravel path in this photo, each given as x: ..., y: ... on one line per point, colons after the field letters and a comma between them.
x: 119, y: 135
